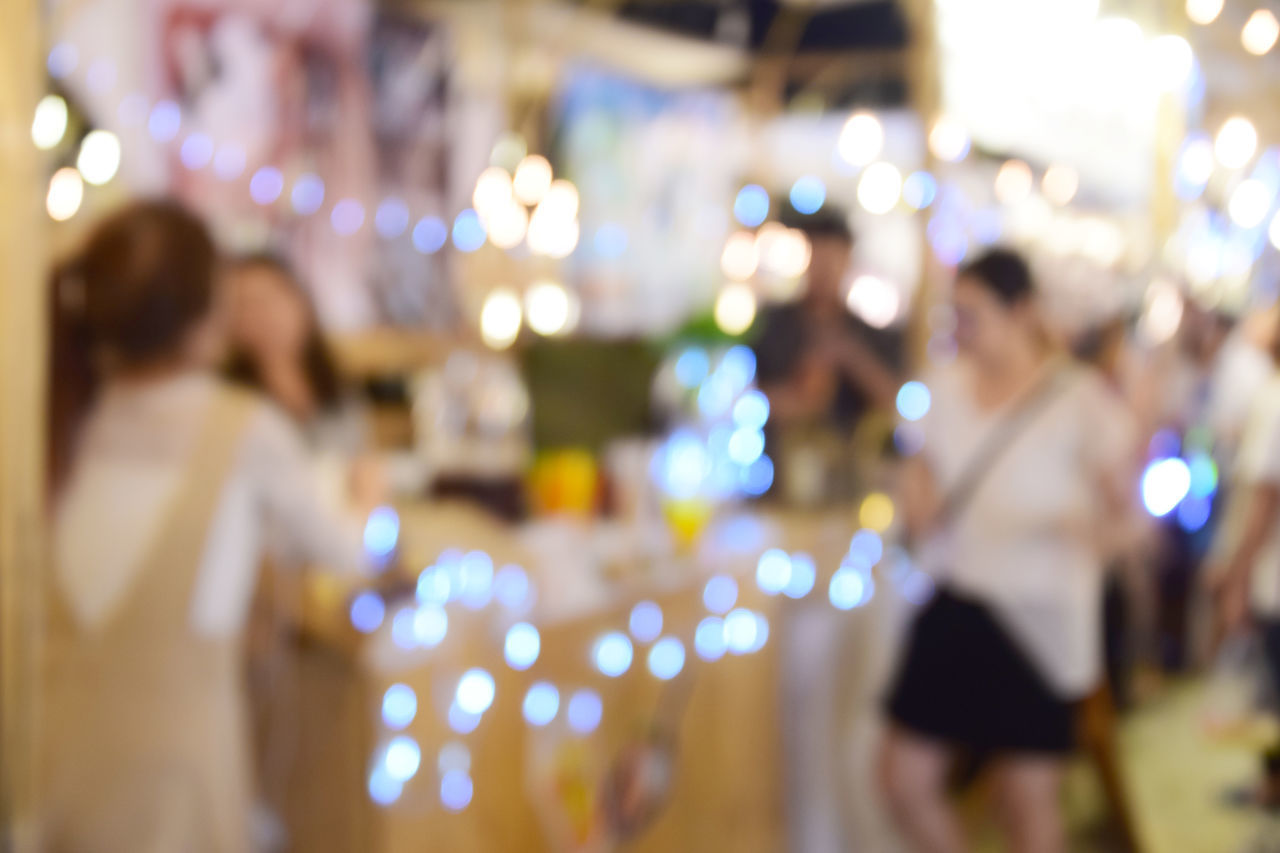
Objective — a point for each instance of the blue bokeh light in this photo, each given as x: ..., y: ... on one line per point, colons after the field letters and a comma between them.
x: 541, y: 703
x: 914, y: 400
x: 1194, y: 512
x: 475, y: 691
x: 613, y: 653
x: 752, y: 410
x: 1204, y: 475
x: 919, y: 190
x: 751, y: 207
x: 403, y: 758
x: 666, y: 658
x: 746, y: 446
x: 383, y: 789
x: 429, y: 235
x: 476, y: 575
x: 391, y: 218
x: 62, y: 61
x: 347, y: 217
x: 468, y: 231
x: 692, y: 367
x: 866, y: 546
x: 850, y: 587
x: 804, y: 574
x: 585, y: 711
x: 463, y: 722
x: 522, y: 646
x: 808, y: 194
x: 738, y: 367
x: 196, y: 151
x: 757, y: 478
x: 430, y: 625
x: 165, y: 121
x: 773, y: 571
x: 720, y: 594
x: 741, y: 631
x: 382, y: 533
x: 511, y: 587
x: 646, y: 621
x: 610, y: 241
x: 403, y: 628
x: 708, y: 638
x: 308, y: 194
x: 456, y: 790
x: 266, y: 185
x: 399, y: 706
x: 367, y: 612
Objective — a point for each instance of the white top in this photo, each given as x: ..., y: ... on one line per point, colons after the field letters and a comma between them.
x: 1259, y: 463
x: 1026, y: 544
x: 132, y: 454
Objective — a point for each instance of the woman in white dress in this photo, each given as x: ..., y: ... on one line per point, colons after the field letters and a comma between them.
x: 169, y: 486
x: 1024, y: 457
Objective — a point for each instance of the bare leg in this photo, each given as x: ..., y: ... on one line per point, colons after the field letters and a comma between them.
x: 1030, y: 795
x: 913, y: 777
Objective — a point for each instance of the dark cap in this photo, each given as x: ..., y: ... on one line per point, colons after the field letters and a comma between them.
x: 827, y: 221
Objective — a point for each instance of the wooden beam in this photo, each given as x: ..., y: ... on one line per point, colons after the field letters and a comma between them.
x: 22, y: 359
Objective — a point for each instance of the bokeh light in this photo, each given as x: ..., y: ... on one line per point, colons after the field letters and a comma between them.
x: 773, y: 571
x: 1194, y: 168
x: 751, y: 206
x: 547, y: 307
x: 666, y: 658
x: 383, y: 789
x: 461, y: 721
x: 266, y: 185
x: 391, y: 218
x: 1236, y: 142
x: 50, y: 122
x: 948, y: 140
x: 196, y: 151
x: 507, y: 225
x: 861, y: 139
x: 403, y: 758
x: 475, y: 691
x: 880, y: 188
x: 808, y: 194
x: 1250, y: 203
x: 468, y: 231
x: 751, y: 411
x: 230, y: 161
x: 850, y: 587
x: 511, y: 587
x: 919, y: 190
x: 66, y: 193
x: 522, y: 646
x: 367, y: 612
x: 455, y: 790
x: 646, y: 621
x: 541, y: 704
x: 611, y: 241
x: 1013, y: 182
x: 1060, y: 184
x: 1171, y: 62
x: 430, y: 234
x: 874, y: 301
x: 866, y: 546
x: 741, y: 631
x: 708, y: 639
x: 165, y: 121
x: 585, y: 711
x: 381, y: 532
x: 500, y: 318
x: 876, y: 512
x: 914, y: 400
x: 99, y: 158
x: 720, y: 594
x: 1164, y: 484
x: 740, y: 257
x: 62, y: 60
x: 402, y: 628
x: 1204, y: 12
x: 430, y: 625
x: 612, y: 654
x: 532, y: 179
x: 735, y: 309
x: 804, y: 574
x: 399, y: 706
x: 1260, y: 32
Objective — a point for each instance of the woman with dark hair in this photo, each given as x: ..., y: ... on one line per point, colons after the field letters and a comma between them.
x: 277, y: 347
x: 168, y: 486
x: 1025, y: 456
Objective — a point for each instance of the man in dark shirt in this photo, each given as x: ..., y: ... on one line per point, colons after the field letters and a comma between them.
x: 818, y: 363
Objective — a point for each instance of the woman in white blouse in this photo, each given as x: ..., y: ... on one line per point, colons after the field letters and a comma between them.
x: 1024, y: 457
x: 169, y: 488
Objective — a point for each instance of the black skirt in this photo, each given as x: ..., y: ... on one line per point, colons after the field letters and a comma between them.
x: 965, y: 681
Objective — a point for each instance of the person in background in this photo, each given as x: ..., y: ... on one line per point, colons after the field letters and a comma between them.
x: 168, y: 487
x: 1247, y: 582
x: 277, y: 347
x: 1025, y: 457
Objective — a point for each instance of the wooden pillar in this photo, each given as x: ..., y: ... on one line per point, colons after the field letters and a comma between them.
x: 22, y: 358
x: 925, y: 92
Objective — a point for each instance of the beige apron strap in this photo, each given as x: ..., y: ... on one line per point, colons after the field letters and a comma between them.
x: 173, y: 560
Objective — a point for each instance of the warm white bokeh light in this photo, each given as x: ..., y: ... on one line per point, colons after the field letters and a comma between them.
x: 1171, y: 61
x: 948, y: 140
x: 99, y: 157
x: 879, y: 188
x: 1204, y: 11
x: 1060, y: 184
x: 786, y: 253
x: 1260, y: 32
x: 1162, y: 313
x: 1250, y: 202
x: 66, y: 191
x: 561, y: 200
x: 735, y: 308
x: 552, y: 234
x: 1197, y: 163
x: 1013, y: 182
x: 500, y: 318
x: 506, y: 225
x: 533, y: 179
x: 548, y: 308
x: 861, y: 139
x: 50, y: 122
x: 874, y: 300
x: 740, y: 257
x: 1236, y: 142
x: 493, y: 191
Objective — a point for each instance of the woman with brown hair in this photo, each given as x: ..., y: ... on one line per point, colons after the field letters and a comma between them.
x: 168, y: 486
